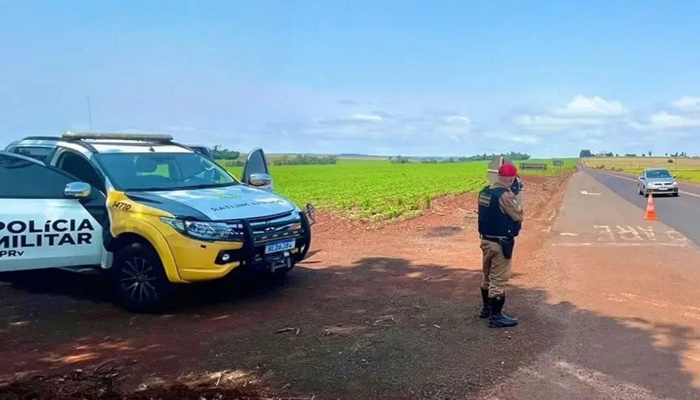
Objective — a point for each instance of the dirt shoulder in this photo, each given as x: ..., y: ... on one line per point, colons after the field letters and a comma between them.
x: 373, y: 312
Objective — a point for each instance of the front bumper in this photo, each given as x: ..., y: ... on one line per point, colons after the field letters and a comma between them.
x: 661, y: 189
x: 216, y: 260
x: 253, y: 253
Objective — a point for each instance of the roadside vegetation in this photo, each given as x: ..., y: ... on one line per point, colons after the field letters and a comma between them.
x: 382, y: 189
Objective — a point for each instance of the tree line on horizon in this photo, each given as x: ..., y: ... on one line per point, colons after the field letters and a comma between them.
x: 232, y: 158
x: 513, y: 156
x: 585, y: 153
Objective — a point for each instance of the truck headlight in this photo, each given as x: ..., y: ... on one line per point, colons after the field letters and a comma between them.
x: 206, y: 230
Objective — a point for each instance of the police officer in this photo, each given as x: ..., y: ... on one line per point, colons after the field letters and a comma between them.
x: 500, y: 217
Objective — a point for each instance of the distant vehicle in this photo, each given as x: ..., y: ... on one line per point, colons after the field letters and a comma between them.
x: 657, y: 181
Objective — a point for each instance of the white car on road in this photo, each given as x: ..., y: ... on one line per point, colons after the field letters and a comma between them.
x: 657, y: 181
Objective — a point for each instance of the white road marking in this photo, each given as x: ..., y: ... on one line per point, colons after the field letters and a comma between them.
x: 590, y: 194
x: 612, y: 388
x: 630, y: 234
x: 617, y: 244
x: 568, y: 234
x: 634, y: 180
x: 607, y: 231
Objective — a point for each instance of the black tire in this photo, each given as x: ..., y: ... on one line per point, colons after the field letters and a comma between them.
x: 140, y: 261
x: 676, y: 194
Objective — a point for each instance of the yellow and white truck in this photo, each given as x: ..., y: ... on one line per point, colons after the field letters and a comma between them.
x: 145, y: 210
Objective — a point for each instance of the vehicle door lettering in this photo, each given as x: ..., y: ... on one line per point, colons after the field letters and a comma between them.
x: 11, y: 253
x: 121, y: 205
x: 247, y: 204
x: 20, y: 234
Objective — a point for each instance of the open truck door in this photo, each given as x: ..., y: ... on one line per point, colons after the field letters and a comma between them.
x: 256, y: 172
x: 48, y: 218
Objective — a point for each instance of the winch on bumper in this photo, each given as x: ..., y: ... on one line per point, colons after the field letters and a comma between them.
x: 271, y: 244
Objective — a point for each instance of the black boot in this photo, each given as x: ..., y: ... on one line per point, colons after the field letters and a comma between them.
x: 485, y: 305
x: 498, y: 319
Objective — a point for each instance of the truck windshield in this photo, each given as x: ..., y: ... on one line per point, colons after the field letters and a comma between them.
x: 658, y: 173
x: 163, y: 171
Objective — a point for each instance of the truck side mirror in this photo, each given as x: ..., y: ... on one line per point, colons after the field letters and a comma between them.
x: 260, y: 181
x: 77, y: 190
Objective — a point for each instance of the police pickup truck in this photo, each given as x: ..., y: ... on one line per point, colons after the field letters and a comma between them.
x: 148, y: 212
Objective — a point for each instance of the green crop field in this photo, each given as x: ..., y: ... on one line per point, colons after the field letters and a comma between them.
x: 375, y: 190
x: 685, y: 169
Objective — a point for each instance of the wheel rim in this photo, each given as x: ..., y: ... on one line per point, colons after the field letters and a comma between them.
x: 137, y: 277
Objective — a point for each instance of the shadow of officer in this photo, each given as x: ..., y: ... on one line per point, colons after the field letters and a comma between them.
x: 500, y: 218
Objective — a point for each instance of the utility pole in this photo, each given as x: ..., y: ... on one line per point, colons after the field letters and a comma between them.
x: 89, y: 113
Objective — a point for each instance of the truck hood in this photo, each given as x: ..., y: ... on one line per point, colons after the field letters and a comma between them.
x: 226, y: 203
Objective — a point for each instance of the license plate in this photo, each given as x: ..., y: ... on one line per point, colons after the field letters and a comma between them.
x: 663, y: 188
x: 281, y: 245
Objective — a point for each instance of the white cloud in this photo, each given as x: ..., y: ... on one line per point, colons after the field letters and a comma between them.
x: 684, y: 118
x: 582, y: 107
x: 664, y: 121
x: 366, y: 117
x: 427, y: 132
x: 422, y: 129
x: 545, y: 123
x: 689, y: 104
x: 580, y: 112
x: 378, y: 125
x: 511, y: 137
x: 458, y: 119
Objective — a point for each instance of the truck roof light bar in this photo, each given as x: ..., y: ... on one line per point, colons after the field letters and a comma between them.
x: 153, y: 137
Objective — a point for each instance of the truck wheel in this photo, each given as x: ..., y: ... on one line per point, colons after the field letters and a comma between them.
x: 139, y: 280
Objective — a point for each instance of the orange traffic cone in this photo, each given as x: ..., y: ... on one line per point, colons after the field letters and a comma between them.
x: 651, y: 209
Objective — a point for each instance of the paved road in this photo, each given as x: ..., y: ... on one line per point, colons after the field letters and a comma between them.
x: 682, y: 213
x: 622, y: 299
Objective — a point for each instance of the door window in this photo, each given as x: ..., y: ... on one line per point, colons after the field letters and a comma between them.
x: 37, y: 152
x: 81, y: 168
x: 29, y: 180
x: 255, y: 164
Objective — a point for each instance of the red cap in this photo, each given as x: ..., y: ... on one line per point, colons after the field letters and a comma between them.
x: 508, y: 170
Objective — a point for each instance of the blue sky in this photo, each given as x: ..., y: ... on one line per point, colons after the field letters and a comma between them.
x: 382, y: 77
